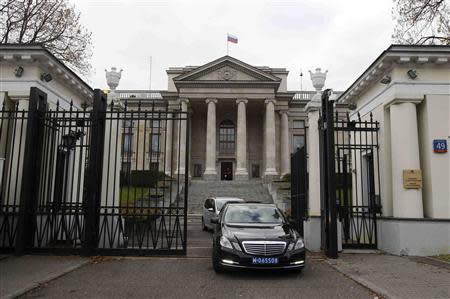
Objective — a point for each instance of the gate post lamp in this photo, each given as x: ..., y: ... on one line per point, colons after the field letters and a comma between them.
x: 69, y: 140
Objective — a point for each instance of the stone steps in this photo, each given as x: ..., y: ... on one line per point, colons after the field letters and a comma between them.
x: 199, y: 190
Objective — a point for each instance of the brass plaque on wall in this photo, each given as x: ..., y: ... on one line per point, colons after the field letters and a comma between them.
x: 412, y: 178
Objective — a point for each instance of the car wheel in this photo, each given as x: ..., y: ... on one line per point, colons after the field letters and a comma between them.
x: 204, y: 228
x: 218, y: 268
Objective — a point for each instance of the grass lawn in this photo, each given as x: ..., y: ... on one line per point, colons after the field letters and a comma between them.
x: 129, y: 194
x: 443, y: 257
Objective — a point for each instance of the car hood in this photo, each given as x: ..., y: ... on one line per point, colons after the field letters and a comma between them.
x: 242, y: 232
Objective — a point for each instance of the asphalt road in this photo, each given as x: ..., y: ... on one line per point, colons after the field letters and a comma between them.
x: 195, y: 278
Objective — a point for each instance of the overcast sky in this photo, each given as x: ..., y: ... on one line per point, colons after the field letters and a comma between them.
x: 343, y: 37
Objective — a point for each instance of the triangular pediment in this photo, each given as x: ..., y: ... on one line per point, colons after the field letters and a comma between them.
x: 226, y: 69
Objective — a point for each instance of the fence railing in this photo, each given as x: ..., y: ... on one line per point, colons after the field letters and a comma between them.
x: 69, y: 186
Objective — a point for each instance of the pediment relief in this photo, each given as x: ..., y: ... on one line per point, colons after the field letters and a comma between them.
x: 226, y: 69
x: 226, y: 73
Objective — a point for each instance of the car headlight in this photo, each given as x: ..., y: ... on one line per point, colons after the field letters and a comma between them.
x: 236, y: 246
x: 300, y: 244
x: 224, y: 242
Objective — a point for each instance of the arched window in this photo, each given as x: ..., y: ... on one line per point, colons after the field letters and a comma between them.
x: 227, y: 137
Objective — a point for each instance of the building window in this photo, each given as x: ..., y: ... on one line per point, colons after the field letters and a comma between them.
x: 298, y: 141
x: 156, y: 123
x: 127, y: 143
x: 154, y: 166
x: 155, y: 138
x: 298, y: 124
x: 198, y: 170
x: 128, y: 124
x: 227, y: 137
x: 126, y: 167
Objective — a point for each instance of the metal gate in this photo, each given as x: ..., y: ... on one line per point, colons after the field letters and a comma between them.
x: 350, y: 178
x: 105, y: 179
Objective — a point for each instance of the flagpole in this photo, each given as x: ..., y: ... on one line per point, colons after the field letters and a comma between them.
x: 227, y: 44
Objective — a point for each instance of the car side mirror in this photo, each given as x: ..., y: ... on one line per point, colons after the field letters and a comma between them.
x: 292, y: 222
x: 210, y: 209
x: 215, y: 220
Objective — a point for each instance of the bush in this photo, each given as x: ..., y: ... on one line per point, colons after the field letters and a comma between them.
x: 286, y: 177
x: 142, y: 178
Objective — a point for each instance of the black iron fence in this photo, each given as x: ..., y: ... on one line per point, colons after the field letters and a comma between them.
x: 91, y: 180
x: 13, y: 128
x: 357, y: 179
x: 350, y: 178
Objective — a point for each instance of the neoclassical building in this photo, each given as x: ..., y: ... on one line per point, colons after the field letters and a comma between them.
x: 244, y: 122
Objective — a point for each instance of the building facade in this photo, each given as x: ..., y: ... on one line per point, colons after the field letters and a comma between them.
x: 244, y: 122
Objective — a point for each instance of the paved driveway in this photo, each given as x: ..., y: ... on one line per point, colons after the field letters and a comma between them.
x: 195, y: 278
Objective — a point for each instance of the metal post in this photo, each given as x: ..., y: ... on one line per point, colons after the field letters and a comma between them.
x: 186, y: 177
x: 31, y: 169
x: 331, y: 176
x: 93, y: 179
x: 302, y: 179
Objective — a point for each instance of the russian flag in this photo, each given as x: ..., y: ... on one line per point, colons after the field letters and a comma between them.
x: 232, y: 39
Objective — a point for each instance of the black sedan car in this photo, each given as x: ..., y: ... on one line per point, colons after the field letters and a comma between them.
x: 254, y: 235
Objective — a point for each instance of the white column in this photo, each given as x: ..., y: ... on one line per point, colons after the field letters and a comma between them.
x: 313, y: 109
x: 241, y: 146
x: 285, y: 152
x: 269, y: 135
x: 168, y: 145
x: 406, y: 203
x: 111, y: 160
x: 210, y: 169
x: 14, y: 162
x: 183, y: 130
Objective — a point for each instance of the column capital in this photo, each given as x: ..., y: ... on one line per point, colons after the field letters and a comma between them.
x: 17, y: 96
x: 245, y: 101
x: 267, y: 101
x: 281, y: 112
x: 313, y: 106
x: 207, y: 101
x: 396, y: 101
x: 184, y: 100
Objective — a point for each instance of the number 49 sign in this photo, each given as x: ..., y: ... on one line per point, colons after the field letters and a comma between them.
x: 440, y: 146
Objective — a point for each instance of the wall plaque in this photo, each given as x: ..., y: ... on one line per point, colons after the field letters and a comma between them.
x: 412, y: 178
x: 440, y: 145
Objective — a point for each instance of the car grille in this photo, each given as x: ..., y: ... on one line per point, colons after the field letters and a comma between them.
x: 264, y: 247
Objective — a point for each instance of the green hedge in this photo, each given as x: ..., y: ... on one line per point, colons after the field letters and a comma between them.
x: 141, y: 178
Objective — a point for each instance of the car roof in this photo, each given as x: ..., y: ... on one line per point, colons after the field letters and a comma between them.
x: 223, y: 198
x: 252, y: 204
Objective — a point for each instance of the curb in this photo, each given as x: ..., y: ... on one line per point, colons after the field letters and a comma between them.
x: 49, y: 278
x: 361, y: 281
x: 430, y: 261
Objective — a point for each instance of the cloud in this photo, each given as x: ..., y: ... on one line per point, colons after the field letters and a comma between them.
x: 341, y: 36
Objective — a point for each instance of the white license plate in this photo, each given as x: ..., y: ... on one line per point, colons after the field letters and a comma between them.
x: 264, y: 260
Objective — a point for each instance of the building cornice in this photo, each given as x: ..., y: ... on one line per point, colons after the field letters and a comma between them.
x: 393, y: 56
x: 15, y: 53
x: 227, y: 84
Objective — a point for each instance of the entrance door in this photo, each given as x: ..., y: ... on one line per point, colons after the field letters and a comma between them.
x: 226, y: 171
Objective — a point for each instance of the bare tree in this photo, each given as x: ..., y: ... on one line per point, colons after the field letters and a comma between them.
x: 422, y: 22
x: 53, y: 23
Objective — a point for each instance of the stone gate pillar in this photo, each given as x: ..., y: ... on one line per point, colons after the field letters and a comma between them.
x: 312, y: 229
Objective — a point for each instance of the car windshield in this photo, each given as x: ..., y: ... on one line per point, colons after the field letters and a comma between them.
x: 252, y: 214
x: 221, y: 202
